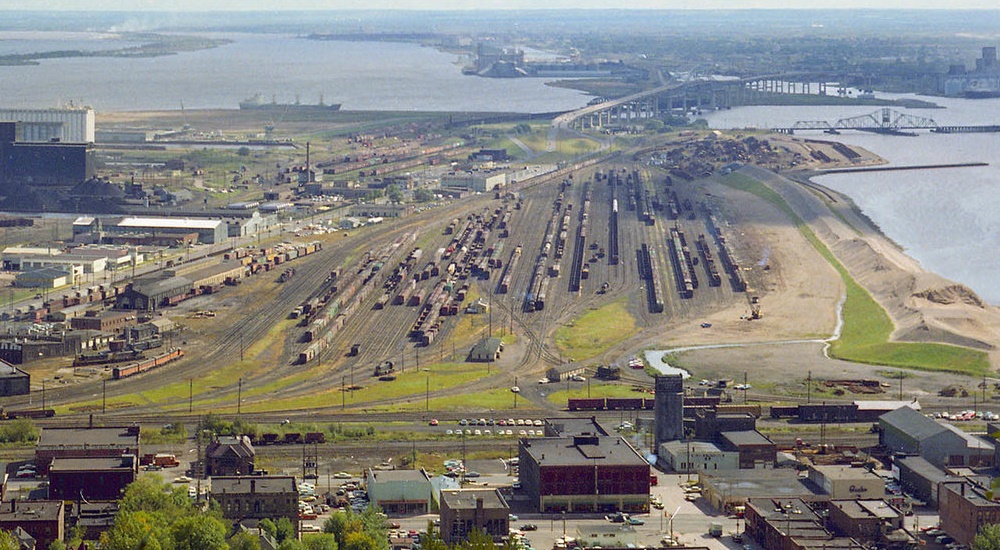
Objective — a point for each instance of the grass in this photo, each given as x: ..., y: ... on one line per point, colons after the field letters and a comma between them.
x: 595, y: 331
x: 501, y: 398
x: 867, y: 326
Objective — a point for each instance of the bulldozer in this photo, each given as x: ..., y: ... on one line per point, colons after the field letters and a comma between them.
x: 755, y: 308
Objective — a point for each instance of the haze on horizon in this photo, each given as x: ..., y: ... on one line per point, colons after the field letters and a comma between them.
x: 451, y: 5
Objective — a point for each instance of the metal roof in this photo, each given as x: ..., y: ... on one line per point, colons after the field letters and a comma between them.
x: 170, y: 223
x: 912, y: 423
x: 466, y: 499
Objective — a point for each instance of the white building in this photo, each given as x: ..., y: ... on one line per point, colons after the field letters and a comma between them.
x: 72, y: 125
x: 696, y: 456
x: 475, y: 181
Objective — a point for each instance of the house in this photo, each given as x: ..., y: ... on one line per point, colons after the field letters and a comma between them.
x: 486, y: 350
x: 230, y: 456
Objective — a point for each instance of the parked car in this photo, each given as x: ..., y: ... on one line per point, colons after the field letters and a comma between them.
x: 529, y: 527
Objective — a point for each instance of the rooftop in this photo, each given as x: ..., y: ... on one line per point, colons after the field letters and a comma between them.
x: 246, y: 485
x: 576, y: 426
x: 389, y: 476
x: 839, y: 471
x: 864, y: 509
x: 466, y: 499
x: 580, y: 450
x: 30, y: 510
x: 912, y: 423
x: 170, y: 223
x: 782, y: 483
x: 682, y: 447
x: 746, y: 437
x: 91, y: 464
x: 115, y: 436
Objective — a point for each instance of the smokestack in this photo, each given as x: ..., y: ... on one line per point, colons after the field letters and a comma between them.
x: 307, y: 160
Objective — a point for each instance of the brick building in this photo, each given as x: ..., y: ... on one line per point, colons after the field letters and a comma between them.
x: 105, y: 442
x: 257, y: 497
x: 229, y: 456
x: 465, y: 510
x: 584, y: 473
x: 42, y: 519
x: 964, y: 507
x: 91, y: 478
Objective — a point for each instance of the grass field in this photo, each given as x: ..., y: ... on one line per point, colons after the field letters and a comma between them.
x: 595, y: 331
x: 867, y: 326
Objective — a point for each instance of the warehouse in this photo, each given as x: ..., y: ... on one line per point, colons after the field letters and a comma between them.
x: 13, y: 381
x: 466, y: 510
x: 840, y: 481
x: 400, y: 492
x: 696, y: 456
x: 210, y: 231
x: 906, y: 431
x: 153, y: 292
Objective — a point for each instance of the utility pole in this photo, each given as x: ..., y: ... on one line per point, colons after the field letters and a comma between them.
x: 239, y: 397
x: 104, y: 395
x: 809, y: 380
x: 190, y: 394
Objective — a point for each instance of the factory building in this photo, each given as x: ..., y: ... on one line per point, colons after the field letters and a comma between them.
x: 73, y: 125
x: 400, y: 492
x: 13, y: 381
x: 257, y: 497
x: 906, y: 431
x: 841, y: 482
x: 669, y: 408
x: 42, y: 164
x: 475, y: 181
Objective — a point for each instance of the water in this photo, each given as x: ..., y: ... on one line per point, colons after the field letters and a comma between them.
x: 949, y: 219
x: 359, y: 75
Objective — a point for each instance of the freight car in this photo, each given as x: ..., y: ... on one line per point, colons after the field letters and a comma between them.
x: 610, y: 403
x: 137, y: 368
x: 28, y: 413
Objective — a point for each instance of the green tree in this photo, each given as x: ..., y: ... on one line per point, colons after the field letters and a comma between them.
x: 394, y: 193
x: 321, y: 541
x: 269, y: 527
x: 244, y: 541
x: 291, y: 544
x: 134, y: 530
x: 199, y: 533
x: 477, y: 540
x: 432, y: 540
x: 285, y: 530
x: 243, y: 151
x: 57, y: 545
x: 423, y: 195
x: 359, y: 540
x: 988, y: 538
x: 20, y: 430
x: 8, y: 542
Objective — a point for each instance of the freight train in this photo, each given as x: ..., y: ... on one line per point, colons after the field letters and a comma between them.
x: 610, y: 403
x: 137, y: 368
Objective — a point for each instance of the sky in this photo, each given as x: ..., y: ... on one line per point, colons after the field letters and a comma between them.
x: 284, y: 5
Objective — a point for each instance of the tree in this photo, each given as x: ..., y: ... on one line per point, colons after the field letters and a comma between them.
x: 432, y: 541
x: 57, y: 545
x: 285, y: 530
x: 291, y: 544
x: 243, y: 151
x: 199, y: 533
x: 321, y: 541
x: 423, y: 195
x: 244, y: 541
x: 134, y: 530
x: 394, y: 193
x: 988, y: 538
x: 8, y: 542
x: 269, y: 527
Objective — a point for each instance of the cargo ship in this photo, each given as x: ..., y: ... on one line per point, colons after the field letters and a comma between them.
x: 257, y: 102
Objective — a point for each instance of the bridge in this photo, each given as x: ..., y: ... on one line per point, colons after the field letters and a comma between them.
x: 884, y: 121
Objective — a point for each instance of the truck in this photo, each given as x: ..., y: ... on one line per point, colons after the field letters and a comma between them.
x: 715, y: 529
x: 162, y: 460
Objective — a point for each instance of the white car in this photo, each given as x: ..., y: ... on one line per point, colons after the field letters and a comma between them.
x: 515, y: 389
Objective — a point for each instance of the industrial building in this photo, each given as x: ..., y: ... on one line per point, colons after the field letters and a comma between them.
x: 210, y: 231
x: 726, y: 489
x: 754, y: 450
x: 842, y: 482
x: 72, y: 125
x: 905, y: 431
x: 53, y: 164
x: 790, y: 524
x: 870, y: 521
x: 13, y: 381
x: 486, y: 350
x: 920, y: 478
x: 696, y: 456
x: 466, y: 510
x: 566, y: 427
x: 475, y: 181
x: 400, y: 492
x: 668, y: 406
x: 584, y: 473
x: 105, y: 321
x: 65, y: 443
x: 98, y: 478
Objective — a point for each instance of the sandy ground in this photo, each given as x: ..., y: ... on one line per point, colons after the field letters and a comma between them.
x: 800, y: 294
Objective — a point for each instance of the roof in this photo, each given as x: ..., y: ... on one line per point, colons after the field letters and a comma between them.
x: 580, y: 450
x: 781, y: 509
x: 923, y: 468
x: 886, y: 405
x: 679, y: 447
x: 466, y: 499
x: 864, y: 509
x: 840, y: 471
x: 245, y: 485
x: 912, y: 423
x: 390, y: 476
x: 739, y: 484
x: 10, y: 371
x: 157, y: 285
x: 30, y: 510
x: 84, y: 220
x: 237, y: 446
x: 746, y: 437
x: 576, y: 426
x: 91, y: 464
x: 971, y: 441
x: 170, y: 223
x: 115, y: 436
